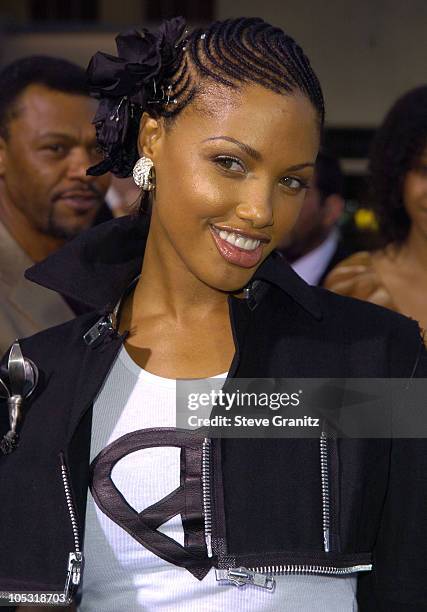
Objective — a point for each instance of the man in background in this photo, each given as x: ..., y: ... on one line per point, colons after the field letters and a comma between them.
x: 47, y: 142
x: 313, y: 246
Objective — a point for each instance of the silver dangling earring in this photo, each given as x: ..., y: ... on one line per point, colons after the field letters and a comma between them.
x: 144, y: 174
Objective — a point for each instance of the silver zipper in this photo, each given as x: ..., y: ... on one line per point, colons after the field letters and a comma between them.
x: 262, y: 576
x: 108, y: 322
x: 74, y: 570
x: 241, y: 576
x: 275, y: 570
x: 104, y: 324
x: 325, y: 490
x: 75, y: 558
x: 206, y: 493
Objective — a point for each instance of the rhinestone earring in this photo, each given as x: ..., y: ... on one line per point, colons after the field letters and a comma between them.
x: 144, y: 174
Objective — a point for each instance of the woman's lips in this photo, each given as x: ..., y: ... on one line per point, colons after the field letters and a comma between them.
x: 236, y: 255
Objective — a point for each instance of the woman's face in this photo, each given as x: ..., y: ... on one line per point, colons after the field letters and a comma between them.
x: 231, y: 176
x: 415, y: 194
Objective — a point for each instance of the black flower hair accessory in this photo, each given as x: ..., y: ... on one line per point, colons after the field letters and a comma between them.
x: 126, y: 85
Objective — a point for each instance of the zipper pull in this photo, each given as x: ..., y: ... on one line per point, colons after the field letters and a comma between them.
x: 103, y: 325
x: 208, y: 541
x: 240, y: 576
x: 75, y: 562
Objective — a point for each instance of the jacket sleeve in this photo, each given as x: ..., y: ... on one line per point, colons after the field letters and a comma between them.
x: 398, y: 582
x: 4, y: 414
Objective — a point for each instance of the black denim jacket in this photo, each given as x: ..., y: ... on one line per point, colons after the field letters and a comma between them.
x: 330, y: 506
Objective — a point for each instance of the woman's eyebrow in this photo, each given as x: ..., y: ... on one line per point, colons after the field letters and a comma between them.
x: 256, y: 154
x: 246, y: 148
x: 300, y: 167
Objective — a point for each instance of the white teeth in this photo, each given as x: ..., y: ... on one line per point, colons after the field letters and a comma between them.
x: 248, y: 244
x: 251, y: 244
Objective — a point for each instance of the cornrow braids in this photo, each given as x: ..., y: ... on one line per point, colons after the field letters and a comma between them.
x: 243, y: 51
x: 231, y: 53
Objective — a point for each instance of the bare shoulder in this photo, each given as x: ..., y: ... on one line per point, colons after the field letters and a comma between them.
x: 358, y: 276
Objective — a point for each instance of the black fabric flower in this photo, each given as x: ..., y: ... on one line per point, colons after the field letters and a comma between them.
x: 124, y: 85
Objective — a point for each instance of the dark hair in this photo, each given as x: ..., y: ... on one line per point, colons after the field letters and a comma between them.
x: 397, y: 145
x: 329, y: 178
x: 240, y: 51
x: 52, y: 72
x: 164, y: 81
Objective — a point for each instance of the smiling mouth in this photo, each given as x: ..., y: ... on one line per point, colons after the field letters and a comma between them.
x: 241, y: 238
x: 238, y: 248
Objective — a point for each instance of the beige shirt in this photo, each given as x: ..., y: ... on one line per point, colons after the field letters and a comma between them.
x: 25, y: 308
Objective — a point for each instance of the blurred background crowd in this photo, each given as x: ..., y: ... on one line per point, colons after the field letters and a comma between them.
x: 363, y: 229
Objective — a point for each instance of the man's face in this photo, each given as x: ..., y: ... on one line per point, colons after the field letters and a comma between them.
x: 43, y: 160
x: 317, y: 218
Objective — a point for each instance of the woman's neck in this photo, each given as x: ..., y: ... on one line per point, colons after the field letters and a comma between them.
x: 414, y: 250
x: 166, y: 287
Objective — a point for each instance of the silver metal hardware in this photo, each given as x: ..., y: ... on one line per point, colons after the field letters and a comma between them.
x: 206, y: 494
x: 22, y: 378
x: 115, y: 115
x: 107, y: 322
x: 262, y: 576
x: 241, y: 576
x: 70, y: 506
x: 75, y: 558
x: 325, y: 490
x: 74, y: 570
x: 104, y: 324
x: 275, y: 570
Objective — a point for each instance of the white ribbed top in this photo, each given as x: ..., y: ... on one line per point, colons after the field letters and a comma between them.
x: 120, y: 574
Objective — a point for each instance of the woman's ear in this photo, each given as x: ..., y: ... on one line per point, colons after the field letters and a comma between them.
x: 150, y: 133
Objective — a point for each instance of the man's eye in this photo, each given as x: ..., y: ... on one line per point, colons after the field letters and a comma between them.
x: 293, y: 183
x: 230, y: 163
x: 55, y: 148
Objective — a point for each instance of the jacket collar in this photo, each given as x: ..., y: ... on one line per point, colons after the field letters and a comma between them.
x: 96, y: 267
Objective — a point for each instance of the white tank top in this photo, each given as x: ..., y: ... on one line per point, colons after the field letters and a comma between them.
x: 122, y: 575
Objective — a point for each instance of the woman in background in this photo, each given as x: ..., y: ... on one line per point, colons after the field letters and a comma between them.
x: 396, y: 275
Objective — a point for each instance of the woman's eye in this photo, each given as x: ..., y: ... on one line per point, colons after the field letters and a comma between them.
x: 230, y: 163
x: 294, y: 184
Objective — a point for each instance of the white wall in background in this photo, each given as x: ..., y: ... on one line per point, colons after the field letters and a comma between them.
x: 365, y: 52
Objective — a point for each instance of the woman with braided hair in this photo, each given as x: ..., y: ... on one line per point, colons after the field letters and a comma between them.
x: 220, y: 128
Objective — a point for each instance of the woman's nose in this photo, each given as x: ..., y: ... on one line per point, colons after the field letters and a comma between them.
x: 257, y: 207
